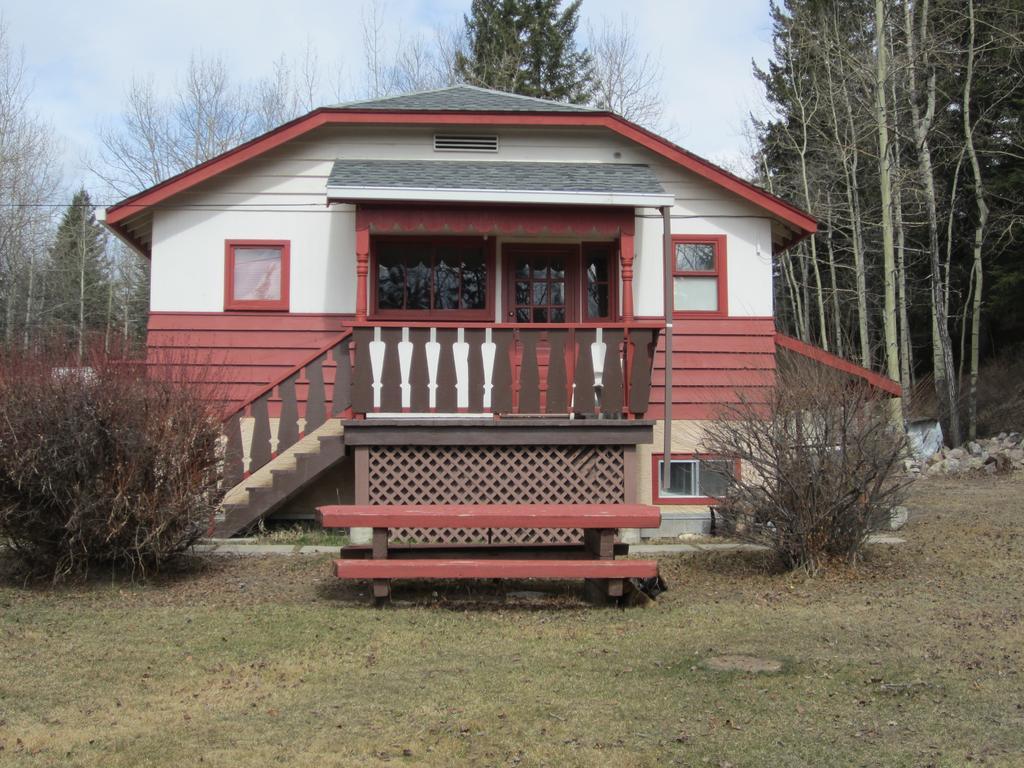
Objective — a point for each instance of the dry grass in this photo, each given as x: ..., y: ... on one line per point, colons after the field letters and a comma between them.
x: 915, y: 659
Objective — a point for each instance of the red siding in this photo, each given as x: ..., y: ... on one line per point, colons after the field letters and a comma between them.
x: 716, y: 361
x: 232, y: 355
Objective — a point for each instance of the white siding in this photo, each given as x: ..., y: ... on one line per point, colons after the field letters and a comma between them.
x: 281, y: 196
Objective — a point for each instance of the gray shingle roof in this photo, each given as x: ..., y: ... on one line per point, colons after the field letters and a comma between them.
x: 465, y: 98
x: 618, y: 178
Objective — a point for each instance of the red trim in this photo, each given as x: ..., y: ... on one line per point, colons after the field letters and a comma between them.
x: 398, y: 218
x: 817, y: 354
x: 130, y: 206
x: 721, y: 273
x: 230, y: 302
x: 426, y: 316
x: 683, y: 500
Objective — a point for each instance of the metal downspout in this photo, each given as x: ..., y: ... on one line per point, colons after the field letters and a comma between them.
x: 669, y: 301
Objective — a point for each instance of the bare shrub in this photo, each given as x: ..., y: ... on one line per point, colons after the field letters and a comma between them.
x: 104, y: 464
x: 822, y: 465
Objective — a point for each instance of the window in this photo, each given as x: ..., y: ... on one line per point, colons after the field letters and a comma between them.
x: 699, y: 274
x: 692, y: 480
x: 256, y: 274
x: 447, y: 278
x: 599, y: 274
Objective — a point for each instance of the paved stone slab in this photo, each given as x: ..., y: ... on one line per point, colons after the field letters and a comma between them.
x: 320, y: 550
x: 662, y: 549
x: 255, y: 549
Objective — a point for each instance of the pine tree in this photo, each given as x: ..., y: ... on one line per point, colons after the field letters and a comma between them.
x: 526, y: 47
x: 78, y: 283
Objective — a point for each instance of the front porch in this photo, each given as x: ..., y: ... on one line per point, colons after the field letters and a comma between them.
x: 465, y: 316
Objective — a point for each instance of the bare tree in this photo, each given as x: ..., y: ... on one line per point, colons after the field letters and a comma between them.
x: 29, y: 181
x: 627, y: 78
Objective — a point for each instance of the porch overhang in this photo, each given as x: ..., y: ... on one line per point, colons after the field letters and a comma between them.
x: 495, y: 182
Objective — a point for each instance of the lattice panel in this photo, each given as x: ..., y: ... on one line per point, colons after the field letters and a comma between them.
x: 536, y: 535
x: 441, y: 535
x: 570, y: 474
x: 497, y: 475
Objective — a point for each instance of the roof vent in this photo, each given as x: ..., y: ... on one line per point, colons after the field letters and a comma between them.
x: 462, y: 142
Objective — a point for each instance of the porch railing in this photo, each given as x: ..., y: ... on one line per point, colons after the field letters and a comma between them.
x: 524, y: 369
x: 292, y: 424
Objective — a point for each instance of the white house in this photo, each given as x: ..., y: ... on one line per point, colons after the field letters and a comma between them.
x: 459, y: 296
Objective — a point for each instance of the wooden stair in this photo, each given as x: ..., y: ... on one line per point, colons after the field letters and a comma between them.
x: 280, y: 480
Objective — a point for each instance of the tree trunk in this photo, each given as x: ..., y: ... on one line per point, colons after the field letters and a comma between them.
x: 892, y: 364
x: 837, y: 322
x: 979, y: 231
x: 944, y: 372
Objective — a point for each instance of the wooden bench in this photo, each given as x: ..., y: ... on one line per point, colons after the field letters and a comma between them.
x: 593, y: 560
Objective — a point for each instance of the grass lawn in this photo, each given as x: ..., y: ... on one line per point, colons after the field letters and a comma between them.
x: 916, y: 659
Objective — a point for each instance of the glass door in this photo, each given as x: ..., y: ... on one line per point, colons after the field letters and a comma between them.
x: 540, y: 283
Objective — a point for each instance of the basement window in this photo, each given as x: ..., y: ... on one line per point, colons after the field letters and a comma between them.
x: 692, y: 480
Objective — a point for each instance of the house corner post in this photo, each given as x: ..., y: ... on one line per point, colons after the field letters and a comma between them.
x: 626, y: 254
x: 362, y: 264
x: 669, y: 308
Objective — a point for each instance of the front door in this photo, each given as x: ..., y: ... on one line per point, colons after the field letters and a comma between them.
x: 541, y: 283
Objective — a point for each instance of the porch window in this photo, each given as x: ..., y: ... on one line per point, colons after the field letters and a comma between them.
x: 699, y: 274
x: 599, y: 274
x: 692, y: 480
x: 256, y: 274
x: 441, y: 278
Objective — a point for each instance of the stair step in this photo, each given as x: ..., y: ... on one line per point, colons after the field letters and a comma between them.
x: 495, y: 569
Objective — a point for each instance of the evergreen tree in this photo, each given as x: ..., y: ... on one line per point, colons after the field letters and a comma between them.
x: 526, y: 47
x: 78, y: 281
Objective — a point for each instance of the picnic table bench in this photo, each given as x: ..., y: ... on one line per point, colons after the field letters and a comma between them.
x: 594, y: 560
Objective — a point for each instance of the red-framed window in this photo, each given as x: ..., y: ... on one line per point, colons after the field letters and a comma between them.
x: 439, y: 278
x: 699, y: 275
x: 694, y: 479
x: 256, y: 274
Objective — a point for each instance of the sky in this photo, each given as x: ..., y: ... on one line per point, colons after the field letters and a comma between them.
x: 80, y: 57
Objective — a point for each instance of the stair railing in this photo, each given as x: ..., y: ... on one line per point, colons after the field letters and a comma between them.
x: 291, y: 426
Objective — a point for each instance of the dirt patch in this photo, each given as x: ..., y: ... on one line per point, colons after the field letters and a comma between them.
x: 740, y: 663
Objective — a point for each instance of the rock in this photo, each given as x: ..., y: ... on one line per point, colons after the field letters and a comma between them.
x: 935, y: 469
x: 950, y: 466
x: 956, y: 453
x: 974, y: 447
x: 974, y: 463
x: 898, y: 518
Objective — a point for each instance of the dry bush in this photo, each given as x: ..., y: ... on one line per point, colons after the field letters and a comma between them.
x: 111, y: 463
x: 822, y: 466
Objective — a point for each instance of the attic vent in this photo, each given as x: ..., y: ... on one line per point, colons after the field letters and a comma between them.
x: 461, y: 142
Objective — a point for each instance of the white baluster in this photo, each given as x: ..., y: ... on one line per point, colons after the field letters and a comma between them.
x: 377, y: 349
x: 405, y: 366
x: 598, y: 350
x: 488, y: 351
x: 433, y: 360
x: 460, y: 351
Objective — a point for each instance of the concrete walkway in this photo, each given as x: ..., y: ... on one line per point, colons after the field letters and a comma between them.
x: 243, y: 547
